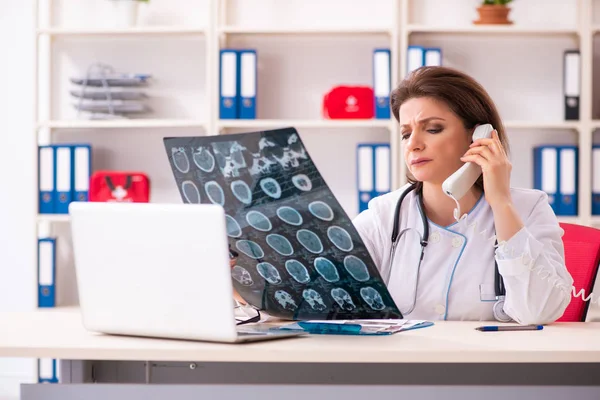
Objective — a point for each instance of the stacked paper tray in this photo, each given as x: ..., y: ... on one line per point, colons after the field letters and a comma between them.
x: 114, y: 93
x: 107, y: 94
x: 112, y: 79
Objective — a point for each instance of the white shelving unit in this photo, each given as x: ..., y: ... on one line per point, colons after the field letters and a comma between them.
x: 125, y: 123
x: 398, y: 34
x: 307, y: 123
x: 136, y: 31
x: 325, y: 30
x: 479, y: 29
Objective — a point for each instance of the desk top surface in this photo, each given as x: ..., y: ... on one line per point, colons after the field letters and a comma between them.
x: 59, y: 333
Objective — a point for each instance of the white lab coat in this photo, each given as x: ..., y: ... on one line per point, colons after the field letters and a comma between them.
x: 456, y: 279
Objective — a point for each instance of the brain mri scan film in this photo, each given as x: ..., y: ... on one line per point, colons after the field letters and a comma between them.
x: 310, y: 241
x: 203, y: 159
x: 180, y: 159
x: 190, y: 192
x: 297, y: 271
x: 215, y: 193
x: 258, y: 221
x: 241, y: 191
x: 289, y: 215
x: 233, y: 228
x: 297, y: 254
x: 241, y: 275
x: 326, y: 269
x: 314, y: 299
x: 269, y: 272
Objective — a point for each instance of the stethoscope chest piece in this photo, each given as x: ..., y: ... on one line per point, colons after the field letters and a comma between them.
x: 499, y: 313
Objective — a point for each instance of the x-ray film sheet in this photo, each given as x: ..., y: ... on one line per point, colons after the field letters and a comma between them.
x: 298, y: 255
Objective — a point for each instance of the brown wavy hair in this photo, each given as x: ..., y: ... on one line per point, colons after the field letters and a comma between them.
x: 460, y: 92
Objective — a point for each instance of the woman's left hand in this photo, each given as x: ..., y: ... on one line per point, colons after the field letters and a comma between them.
x: 490, y: 155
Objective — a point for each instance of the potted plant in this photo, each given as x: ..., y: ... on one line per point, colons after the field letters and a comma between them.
x: 126, y: 12
x: 493, y: 12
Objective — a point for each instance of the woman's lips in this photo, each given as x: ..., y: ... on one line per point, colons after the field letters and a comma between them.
x: 419, y: 161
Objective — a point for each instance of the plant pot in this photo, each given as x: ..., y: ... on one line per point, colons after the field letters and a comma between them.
x: 125, y: 13
x: 493, y: 15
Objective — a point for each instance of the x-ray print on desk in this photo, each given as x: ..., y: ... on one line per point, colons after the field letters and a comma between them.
x: 298, y: 255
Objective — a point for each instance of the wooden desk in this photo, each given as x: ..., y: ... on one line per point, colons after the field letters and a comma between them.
x: 446, y: 353
x: 59, y: 334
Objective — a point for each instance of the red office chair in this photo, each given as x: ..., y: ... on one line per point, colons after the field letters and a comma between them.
x: 582, y: 256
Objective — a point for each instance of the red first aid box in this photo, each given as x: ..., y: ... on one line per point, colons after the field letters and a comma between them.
x: 349, y: 102
x: 119, y: 186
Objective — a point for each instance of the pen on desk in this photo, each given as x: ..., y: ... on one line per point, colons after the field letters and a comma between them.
x: 510, y: 328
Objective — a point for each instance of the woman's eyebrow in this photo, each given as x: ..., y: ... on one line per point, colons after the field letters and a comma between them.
x: 424, y: 120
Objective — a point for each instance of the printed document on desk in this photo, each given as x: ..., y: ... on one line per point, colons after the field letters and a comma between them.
x: 297, y: 254
x: 358, y: 326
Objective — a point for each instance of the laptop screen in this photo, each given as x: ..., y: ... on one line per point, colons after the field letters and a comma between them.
x: 297, y: 253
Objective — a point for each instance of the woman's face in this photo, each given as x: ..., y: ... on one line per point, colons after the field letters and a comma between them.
x: 433, y: 139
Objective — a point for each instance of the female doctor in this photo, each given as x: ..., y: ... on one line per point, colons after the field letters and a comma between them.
x: 501, y: 260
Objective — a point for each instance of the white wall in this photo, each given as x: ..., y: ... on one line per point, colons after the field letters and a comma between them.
x: 17, y: 202
x: 523, y: 75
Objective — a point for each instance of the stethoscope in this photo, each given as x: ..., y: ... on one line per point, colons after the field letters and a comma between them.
x: 499, y: 289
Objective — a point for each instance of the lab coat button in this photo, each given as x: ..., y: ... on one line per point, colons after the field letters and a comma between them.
x: 435, y: 237
x: 440, y: 309
x: 456, y: 242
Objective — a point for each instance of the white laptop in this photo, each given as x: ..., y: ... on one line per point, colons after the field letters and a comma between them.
x: 157, y: 270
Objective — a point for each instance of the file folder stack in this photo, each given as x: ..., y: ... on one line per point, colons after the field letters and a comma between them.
x: 555, y: 172
x: 382, y: 82
x: 64, y: 172
x: 106, y: 94
x: 373, y: 172
x: 419, y: 56
x: 237, y: 84
x: 596, y: 180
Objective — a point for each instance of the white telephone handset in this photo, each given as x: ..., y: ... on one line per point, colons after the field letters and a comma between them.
x: 459, y: 183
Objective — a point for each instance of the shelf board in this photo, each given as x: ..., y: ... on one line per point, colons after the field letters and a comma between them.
x: 137, y: 31
x: 349, y: 30
x: 306, y: 123
x: 541, y: 124
x: 501, y: 29
x: 53, y: 218
x: 122, y: 123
